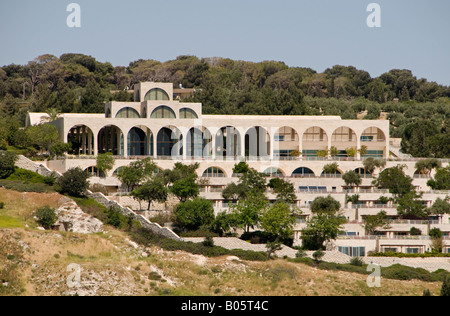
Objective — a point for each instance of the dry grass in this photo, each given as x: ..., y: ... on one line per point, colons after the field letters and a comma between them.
x: 112, y: 266
x: 21, y: 206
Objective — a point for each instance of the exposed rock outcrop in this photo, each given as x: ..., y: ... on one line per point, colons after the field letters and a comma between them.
x: 72, y: 219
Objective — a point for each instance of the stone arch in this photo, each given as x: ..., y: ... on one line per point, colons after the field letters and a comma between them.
x: 198, y: 143
x: 286, y: 143
x: 303, y: 172
x: 82, y: 139
x: 314, y: 140
x: 228, y: 143
x: 169, y: 143
x: 110, y: 139
x: 257, y: 142
x: 140, y: 141
x: 157, y: 94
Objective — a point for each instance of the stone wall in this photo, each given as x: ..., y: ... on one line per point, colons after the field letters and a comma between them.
x: 154, y: 227
x: 27, y: 164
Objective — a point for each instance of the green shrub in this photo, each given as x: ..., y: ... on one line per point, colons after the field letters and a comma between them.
x: 7, y: 164
x: 23, y: 186
x: 357, y: 262
x: 74, y: 182
x: 208, y: 242
x: 445, y: 290
x: 46, y: 217
x: 2, y: 205
x: 147, y: 238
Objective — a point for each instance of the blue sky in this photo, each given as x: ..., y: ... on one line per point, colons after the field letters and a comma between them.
x: 414, y: 34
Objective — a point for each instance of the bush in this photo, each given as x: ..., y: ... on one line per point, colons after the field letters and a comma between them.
x: 191, y: 215
x: 357, y: 262
x: 445, y: 290
x: 415, y: 231
x: 23, y: 186
x: 46, y: 217
x: 147, y: 238
x: 2, y: 205
x: 208, y: 242
x: 74, y: 182
x: 7, y: 164
x: 318, y: 255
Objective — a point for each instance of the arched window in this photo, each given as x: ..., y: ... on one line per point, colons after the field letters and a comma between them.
x: 273, y: 172
x: 303, y: 172
x: 163, y: 112
x: 128, y: 113
x: 214, y: 172
x: 188, y: 114
x: 157, y: 94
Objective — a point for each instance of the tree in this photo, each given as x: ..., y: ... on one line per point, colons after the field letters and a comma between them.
x: 278, y: 221
x: 43, y: 136
x: 185, y: 188
x: 325, y: 205
x: 395, y: 180
x: 374, y: 222
x: 191, y: 215
x: 426, y: 166
x: 105, y: 163
x: 284, y: 189
x: 325, y: 225
x: 150, y: 191
x: 321, y: 228
x: 334, y: 151
x: 411, y: 207
x: 136, y: 173
x: 74, y: 182
x: 248, y: 210
x: 441, y: 179
x: 46, y: 217
x: 352, y: 178
x: 331, y: 169
x: 241, y: 168
x: 224, y: 222
x: 370, y: 164
x: 441, y: 206
x: 7, y: 164
x: 59, y: 148
x: 351, y: 152
x: 234, y: 192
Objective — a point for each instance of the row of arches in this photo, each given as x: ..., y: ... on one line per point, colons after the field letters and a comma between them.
x: 161, y: 112
x: 217, y: 172
x: 228, y: 142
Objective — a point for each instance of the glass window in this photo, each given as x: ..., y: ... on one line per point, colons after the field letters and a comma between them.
x: 128, y: 113
x: 188, y: 114
x: 344, y: 134
x: 163, y: 112
x: 274, y: 172
x: 213, y: 172
x: 156, y: 95
x: 353, y: 251
x: 412, y: 250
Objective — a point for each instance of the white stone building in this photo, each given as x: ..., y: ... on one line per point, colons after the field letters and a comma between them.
x: 160, y: 126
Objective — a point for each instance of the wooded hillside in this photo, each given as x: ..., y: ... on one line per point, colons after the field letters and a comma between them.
x: 75, y: 83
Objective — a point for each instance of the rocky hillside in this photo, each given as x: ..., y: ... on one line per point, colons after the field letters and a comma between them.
x: 106, y: 262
